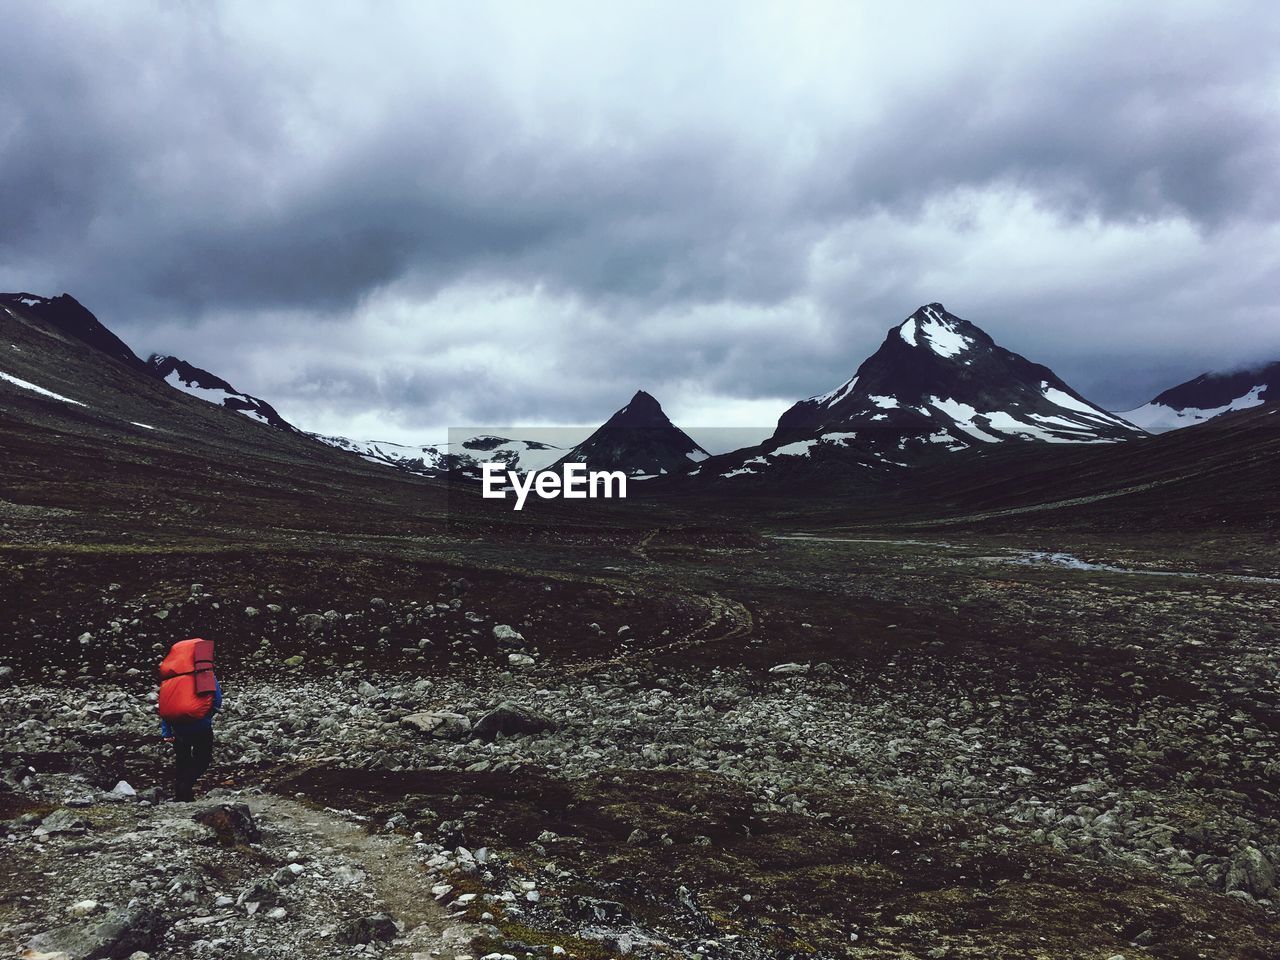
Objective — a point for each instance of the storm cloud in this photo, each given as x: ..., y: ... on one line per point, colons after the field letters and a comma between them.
x: 388, y: 219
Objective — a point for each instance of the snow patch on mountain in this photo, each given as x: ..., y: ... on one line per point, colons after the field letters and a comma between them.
x: 211, y: 388
x: 1207, y: 396
x: 27, y: 385
x: 459, y: 458
x: 1158, y: 418
x: 835, y: 395
x: 944, y: 339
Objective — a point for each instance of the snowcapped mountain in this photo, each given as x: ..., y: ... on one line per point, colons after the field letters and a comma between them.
x: 207, y: 386
x: 639, y: 440
x: 937, y: 384
x: 460, y: 459
x: 1208, y: 395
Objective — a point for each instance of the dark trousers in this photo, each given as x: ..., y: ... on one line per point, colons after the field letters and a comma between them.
x: 192, y: 753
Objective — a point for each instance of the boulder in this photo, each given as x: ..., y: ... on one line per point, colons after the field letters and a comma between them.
x: 121, y: 933
x: 507, y: 635
x: 231, y: 823
x: 510, y: 719
x: 260, y: 893
x: 1252, y: 873
x: 377, y: 927
x: 438, y: 723
x: 62, y: 821
x: 784, y: 669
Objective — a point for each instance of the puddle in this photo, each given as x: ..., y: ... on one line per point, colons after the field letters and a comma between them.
x: 1040, y: 558
x: 815, y: 539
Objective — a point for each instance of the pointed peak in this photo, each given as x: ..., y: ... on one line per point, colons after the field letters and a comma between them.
x: 944, y: 333
x: 643, y: 400
x: 642, y: 408
x: 927, y: 309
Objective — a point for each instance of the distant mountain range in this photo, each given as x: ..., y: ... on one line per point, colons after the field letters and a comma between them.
x: 1207, y: 396
x: 938, y: 385
x: 461, y: 458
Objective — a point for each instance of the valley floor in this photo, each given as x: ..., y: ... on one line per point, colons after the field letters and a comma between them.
x: 820, y: 747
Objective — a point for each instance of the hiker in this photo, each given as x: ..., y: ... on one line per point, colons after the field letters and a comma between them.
x: 190, y: 695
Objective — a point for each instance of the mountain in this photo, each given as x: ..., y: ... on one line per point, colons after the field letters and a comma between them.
x: 462, y: 458
x: 639, y: 440
x: 938, y: 379
x: 207, y: 386
x: 1208, y: 395
x: 66, y: 315
x: 937, y: 385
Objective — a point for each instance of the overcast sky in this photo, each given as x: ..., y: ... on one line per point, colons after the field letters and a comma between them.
x: 392, y: 218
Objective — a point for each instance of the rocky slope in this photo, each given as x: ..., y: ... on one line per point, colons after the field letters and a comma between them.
x: 66, y: 315
x: 628, y: 787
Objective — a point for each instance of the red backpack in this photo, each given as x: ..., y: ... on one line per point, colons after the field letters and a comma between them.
x: 187, y: 682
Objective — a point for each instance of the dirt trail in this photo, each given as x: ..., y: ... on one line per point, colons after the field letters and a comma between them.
x: 391, y: 862
x: 159, y: 857
x: 732, y: 618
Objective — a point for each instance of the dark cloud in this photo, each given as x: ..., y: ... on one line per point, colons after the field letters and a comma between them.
x: 429, y: 215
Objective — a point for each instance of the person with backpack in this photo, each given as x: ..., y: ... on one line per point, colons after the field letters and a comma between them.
x: 190, y: 695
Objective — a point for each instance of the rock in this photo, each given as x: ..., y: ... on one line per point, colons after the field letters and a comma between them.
x: 438, y: 723
x: 250, y: 611
x: 231, y: 823
x: 520, y: 660
x: 277, y: 913
x: 83, y: 908
x: 6, y: 673
x: 507, y: 718
x: 124, y: 789
x: 162, y: 614
x: 294, y: 661
x: 785, y: 669
x: 377, y: 927
x: 311, y: 622
x: 366, y: 689
x: 260, y: 893
x: 591, y: 910
x: 121, y: 933
x: 1251, y: 872
x: 507, y: 635
x: 62, y: 821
